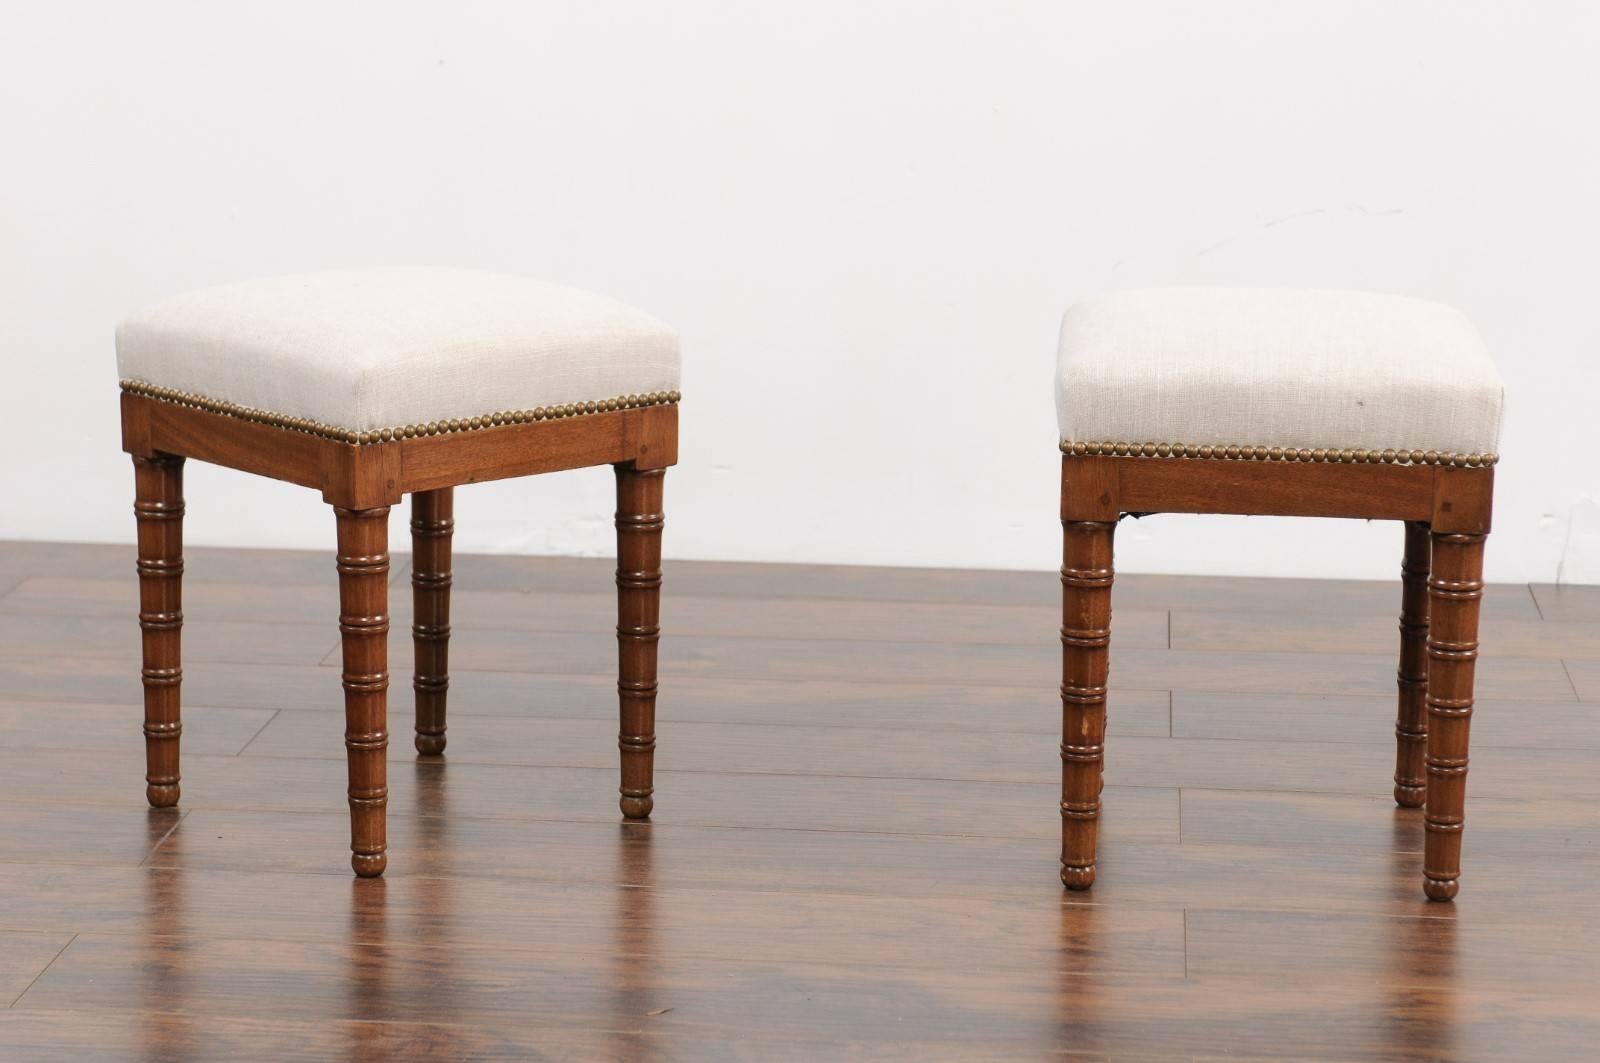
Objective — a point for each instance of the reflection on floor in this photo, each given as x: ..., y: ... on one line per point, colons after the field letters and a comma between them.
x: 853, y: 852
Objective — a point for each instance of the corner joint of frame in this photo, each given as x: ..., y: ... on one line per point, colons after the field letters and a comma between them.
x: 364, y: 476
x: 1091, y: 488
x: 1463, y: 500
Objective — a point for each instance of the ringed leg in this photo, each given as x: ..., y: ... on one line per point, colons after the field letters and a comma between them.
x: 158, y: 508
x: 1411, y: 724
x: 639, y: 524
x: 363, y: 562
x: 432, y: 525
x: 1455, y: 590
x: 1086, y: 577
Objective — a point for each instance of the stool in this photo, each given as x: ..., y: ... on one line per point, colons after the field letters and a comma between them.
x: 1289, y: 403
x: 369, y: 385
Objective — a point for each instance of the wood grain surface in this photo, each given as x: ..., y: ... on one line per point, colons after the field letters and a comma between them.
x: 853, y: 854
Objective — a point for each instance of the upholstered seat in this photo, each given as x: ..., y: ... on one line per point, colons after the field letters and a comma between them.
x: 367, y: 386
x: 1290, y: 404
x: 394, y: 350
x: 1315, y: 373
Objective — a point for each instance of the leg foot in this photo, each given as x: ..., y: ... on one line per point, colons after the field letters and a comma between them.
x: 162, y: 796
x: 364, y: 630
x: 1441, y: 889
x: 1086, y: 576
x: 369, y: 865
x: 1077, y: 878
x: 639, y: 524
x: 1408, y: 796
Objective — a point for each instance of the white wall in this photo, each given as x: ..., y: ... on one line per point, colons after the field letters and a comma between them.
x: 865, y: 219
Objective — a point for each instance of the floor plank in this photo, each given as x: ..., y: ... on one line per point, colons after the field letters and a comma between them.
x: 202, y: 564
x: 1324, y: 633
x: 24, y: 955
x: 231, y: 685
x: 734, y: 858
x: 877, y: 863
x: 1318, y: 948
x: 1214, y: 1018
x: 734, y: 579
x: 1132, y: 759
x: 107, y: 728
x: 518, y: 574
x: 51, y: 1036
x: 965, y: 586
x: 674, y: 996
x: 1036, y: 665
x: 225, y: 641
x: 1585, y: 676
x: 1495, y: 888
x: 1548, y: 828
x: 110, y: 685
x: 726, y: 799
x: 594, y: 612
x: 1332, y: 718
x: 635, y: 981
x: 770, y: 748
x: 1567, y: 603
x: 123, y: 836
x: 565, y: 924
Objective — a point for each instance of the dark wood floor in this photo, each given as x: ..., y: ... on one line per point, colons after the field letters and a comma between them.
x: 853, y: 852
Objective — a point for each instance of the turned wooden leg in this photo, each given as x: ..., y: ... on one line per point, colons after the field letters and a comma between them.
x: 1411, y: 724
x: 364, y: 627
x: 432, y: 524
x: 1455, y: 590
x: 1086, y: 575
x: 158, y: 506
x: 639, y: 524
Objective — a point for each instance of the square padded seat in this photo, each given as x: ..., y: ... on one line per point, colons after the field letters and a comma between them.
x: 368, y: 386
x: 375, y: 350
x: 1291, y: 404
x: 1284, y: 368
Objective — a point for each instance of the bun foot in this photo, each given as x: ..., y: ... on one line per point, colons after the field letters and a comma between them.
x: 369, y: 865
x: 1077, y: 878
x: 430, y: 745
x: 1409, y: 796
x: 162, y: 796
x: 637, y: 807
x: 1441, y: 889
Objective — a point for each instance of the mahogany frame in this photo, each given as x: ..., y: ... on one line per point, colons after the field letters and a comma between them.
x: 1447, y: 512
x: 362, y: 481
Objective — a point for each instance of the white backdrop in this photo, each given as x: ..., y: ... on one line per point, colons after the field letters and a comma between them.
x: 865, y: 219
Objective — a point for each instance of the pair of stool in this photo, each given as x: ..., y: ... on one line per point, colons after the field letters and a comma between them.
x: 372, y: 385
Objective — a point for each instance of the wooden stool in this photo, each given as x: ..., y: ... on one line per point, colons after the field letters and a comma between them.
x: 374, y: 384
x: 1290, y: 403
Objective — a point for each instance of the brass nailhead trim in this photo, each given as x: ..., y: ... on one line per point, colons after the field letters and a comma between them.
x: 409, y: 431
x: 1234, y: 452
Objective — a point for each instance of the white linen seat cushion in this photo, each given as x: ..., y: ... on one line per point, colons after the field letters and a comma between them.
x: 1303, y: 369
x: 373, y: 349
